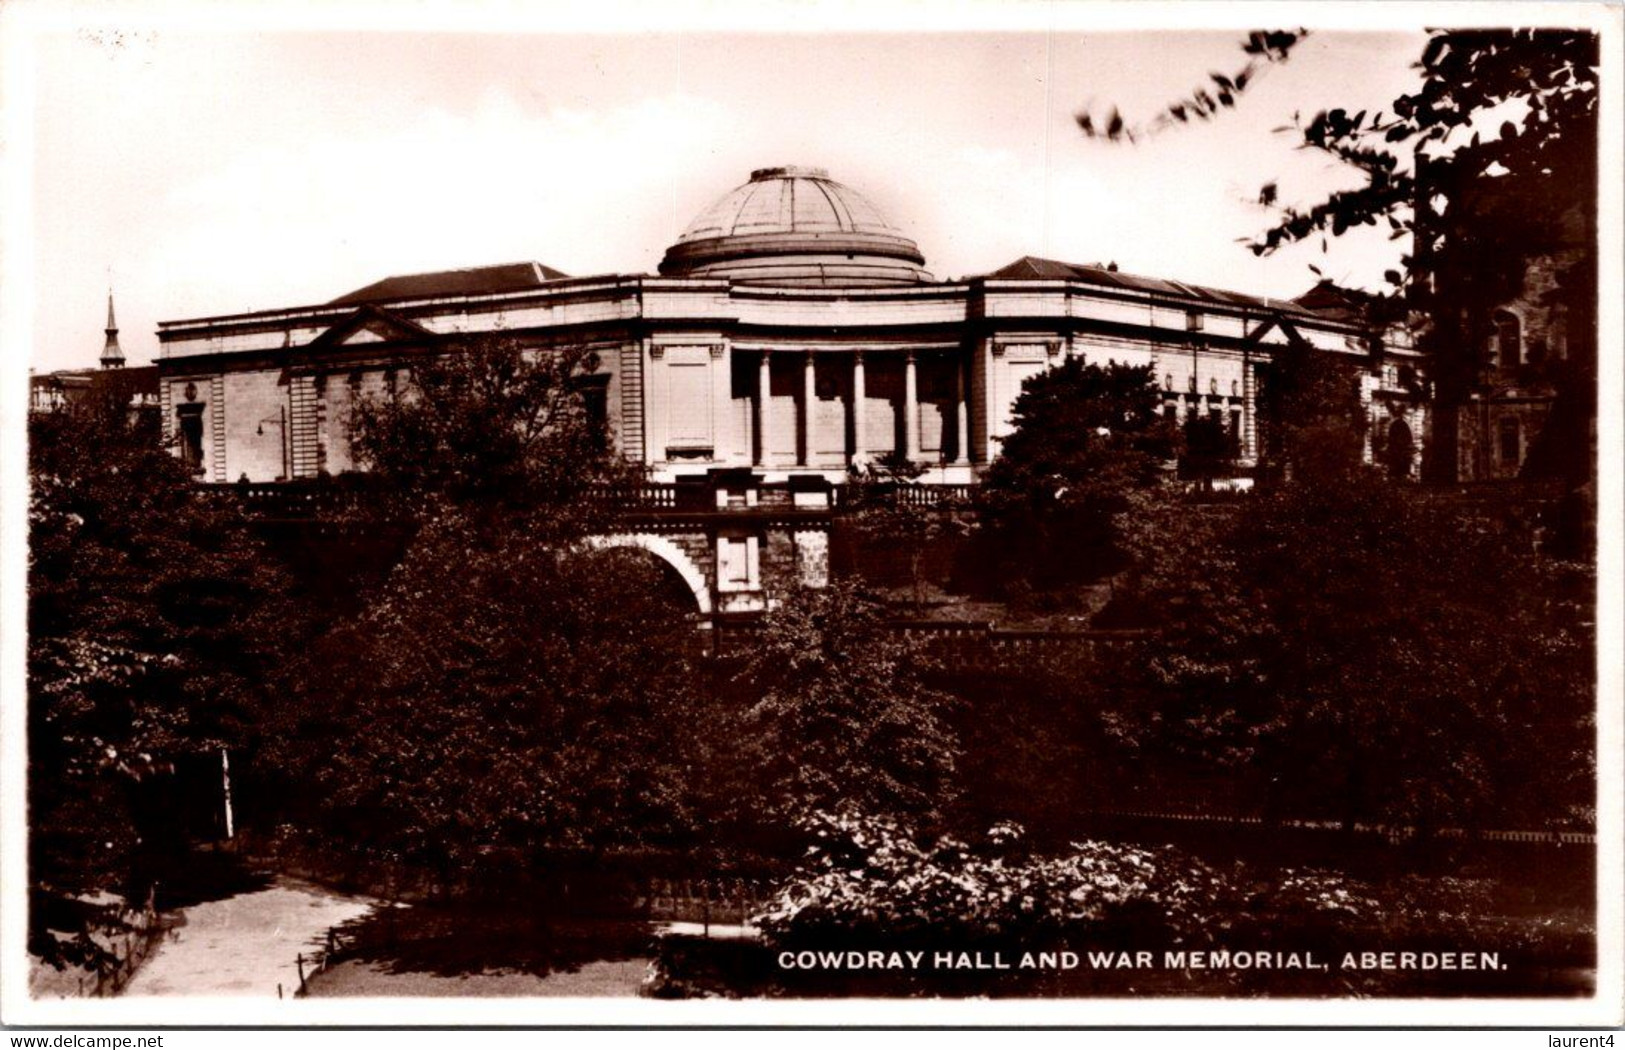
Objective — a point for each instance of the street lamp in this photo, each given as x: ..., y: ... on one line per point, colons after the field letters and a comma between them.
x: 280, y: 420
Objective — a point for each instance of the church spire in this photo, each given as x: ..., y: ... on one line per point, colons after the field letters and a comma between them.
x: 112, y: 355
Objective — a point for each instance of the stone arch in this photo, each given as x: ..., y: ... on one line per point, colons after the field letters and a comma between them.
x: 671, y: 554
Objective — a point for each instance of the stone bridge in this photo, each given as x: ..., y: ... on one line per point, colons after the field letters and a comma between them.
x: 732, y: 539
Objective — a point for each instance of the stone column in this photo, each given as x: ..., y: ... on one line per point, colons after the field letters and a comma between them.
x: 911, y: 409
x: 962, y: 413
x: 724, y: 424
x: 1249, y: 410
x: 860, y: 409
x: 988, y: 411
x: 809, y: 394
x: 764, y: 397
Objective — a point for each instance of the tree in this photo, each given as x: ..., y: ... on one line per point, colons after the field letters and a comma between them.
x: 490, y: 429
x: 1480, y: 188
x: 1377, y: 653
x: 1083, y: 437
x: 1484, y: 167
x: 509, y: 702
x: 503, y: 710
x: 1263, y: 49
x: 156, y: 622
x: 885, y: 504
x: 1310, y: 414
x: 843, y: 717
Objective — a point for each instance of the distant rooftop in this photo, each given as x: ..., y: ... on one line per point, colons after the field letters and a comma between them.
x: 479, y: 280
x: 1031, y: 268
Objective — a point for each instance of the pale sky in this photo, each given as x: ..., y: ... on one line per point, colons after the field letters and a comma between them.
x: 212, y: 173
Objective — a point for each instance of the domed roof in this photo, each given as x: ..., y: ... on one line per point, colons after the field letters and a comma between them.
x: 795, y: 226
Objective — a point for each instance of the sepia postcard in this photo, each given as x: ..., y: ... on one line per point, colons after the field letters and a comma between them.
x: 1033, y: 514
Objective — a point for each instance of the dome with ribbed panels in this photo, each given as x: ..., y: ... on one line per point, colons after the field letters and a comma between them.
x: 795, y: 226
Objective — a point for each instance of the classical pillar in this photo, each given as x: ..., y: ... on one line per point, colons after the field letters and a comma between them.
x: 911, y: 409
x: 1249, y: 410
x: 809, y: 394
x: 859, y: 410
x: 724, y: 424
x: 764, y: 396
x: 989, y: 409
x: 962, y: 413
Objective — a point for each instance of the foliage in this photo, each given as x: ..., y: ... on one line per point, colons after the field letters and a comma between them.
x: 1310, y: 414
x: 1263, y: 48
x: 1032, y: 724
x: 882, y: 504
x: 1378, y: 653
x: 1468, y: 76
x: 1210, y: 451
x: 494, y: 428
x: 1491, y: 162
x: 872, y: 880
x: 512, y: 697
x: 1488, y: 164
x: 843, y: 715
x: 155, y: 623
x: 1083, y: 438
x: 502, y: 707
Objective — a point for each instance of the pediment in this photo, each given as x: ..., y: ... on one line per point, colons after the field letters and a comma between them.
x: 370, y: 324
x: 1275, y: 331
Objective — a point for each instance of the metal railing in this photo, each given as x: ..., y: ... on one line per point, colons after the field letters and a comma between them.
x: 706, y: 902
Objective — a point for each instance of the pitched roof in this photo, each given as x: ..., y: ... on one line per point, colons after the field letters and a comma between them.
x: 1031, y: 268
x: 479, y: 280
x: 1334, y: 300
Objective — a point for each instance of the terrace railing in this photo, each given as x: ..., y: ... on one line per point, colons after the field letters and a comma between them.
x: 908, y: 495
x: 310, y: 500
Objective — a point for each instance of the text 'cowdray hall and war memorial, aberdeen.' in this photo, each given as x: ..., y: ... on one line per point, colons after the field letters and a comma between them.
x: 792, y: 333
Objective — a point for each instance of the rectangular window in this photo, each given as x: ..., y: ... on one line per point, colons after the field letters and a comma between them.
x: 1511, y: 443
x: 595, y: 406
x: 733, y: 563
x: 189, y: 422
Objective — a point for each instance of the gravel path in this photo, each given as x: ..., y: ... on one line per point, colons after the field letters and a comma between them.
x: 244, y: 945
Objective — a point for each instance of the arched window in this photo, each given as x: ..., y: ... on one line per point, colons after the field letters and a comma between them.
x: 1508, y: 339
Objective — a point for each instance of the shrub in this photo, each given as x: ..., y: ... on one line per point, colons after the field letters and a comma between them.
x: 868, y: 878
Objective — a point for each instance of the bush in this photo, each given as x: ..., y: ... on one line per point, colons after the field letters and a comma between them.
x: 869, y: 879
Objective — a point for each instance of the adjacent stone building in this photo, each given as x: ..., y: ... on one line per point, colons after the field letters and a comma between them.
x: 135, y: 387
x: 1540, y: 344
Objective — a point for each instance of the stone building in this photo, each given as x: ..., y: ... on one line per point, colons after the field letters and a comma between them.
x: 1539, y: 344
x: 791, y: 332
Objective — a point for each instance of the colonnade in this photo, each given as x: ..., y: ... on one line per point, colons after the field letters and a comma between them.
x: 856, y: 409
